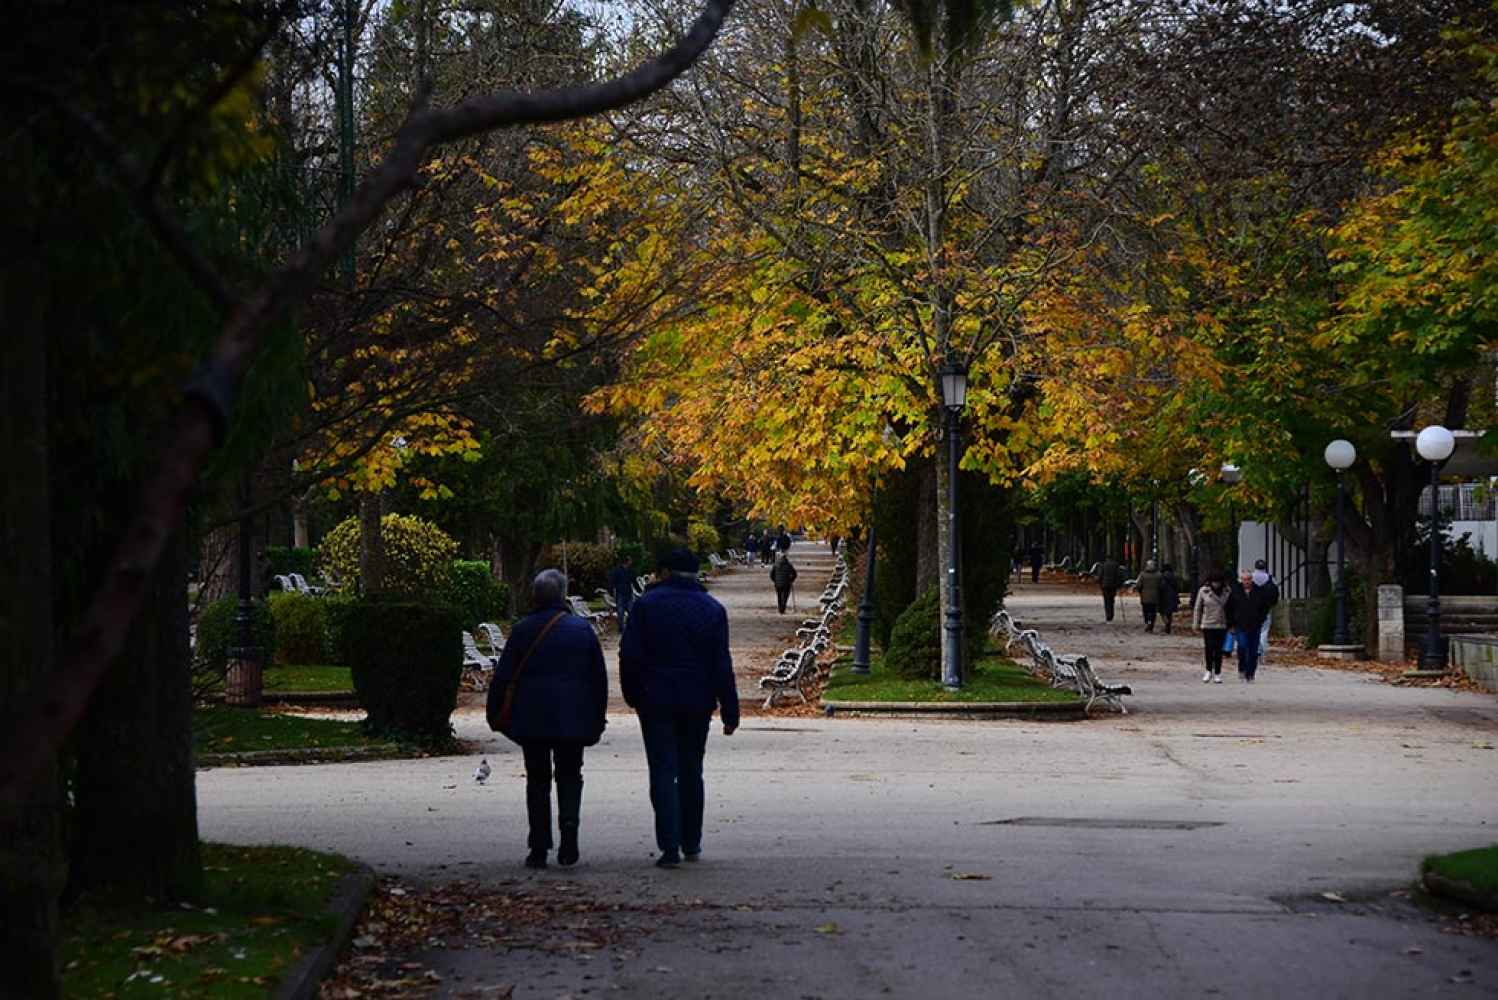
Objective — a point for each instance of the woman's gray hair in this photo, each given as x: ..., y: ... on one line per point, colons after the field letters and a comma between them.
x: 548, y: 588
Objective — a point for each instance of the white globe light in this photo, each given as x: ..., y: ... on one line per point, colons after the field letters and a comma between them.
x: 1435, y: 443
x: 1231, y: 473
x: 1340, y: 454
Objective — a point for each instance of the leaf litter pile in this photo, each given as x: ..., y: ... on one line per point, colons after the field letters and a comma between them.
x: 391, y: 951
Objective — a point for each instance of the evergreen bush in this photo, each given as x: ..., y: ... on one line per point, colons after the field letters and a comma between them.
x: 301, y: 627
x: 406, y: 658
x: 217, y: 628
x: 474, y: 593
x: 418, y: 556
x: 588, y: 564
x: 915, y: 641
x: 702, y: 538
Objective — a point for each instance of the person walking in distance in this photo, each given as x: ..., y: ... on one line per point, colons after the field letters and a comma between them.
x: 549, y: 694
x: 783, y: 541
x: 751, y: 547
x: 1212, y: 612
x: 674, y: 670
x: 1037, y: 558
x: 1170, y: 595
x: 1252, y: 603
x: 1149, y: 594
x: 1109, y: 578
x: 783, y: 575
x: 1264, y: 578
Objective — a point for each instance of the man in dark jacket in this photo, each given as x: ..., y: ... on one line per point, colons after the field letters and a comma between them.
x: 674, y: 669
x: 783, y: 541
x: 1255, y: 597
x: 622, y: 583
x: 783, y: 575
x: 561, y: 696
x: 1149, y: 593
x: 1037, y: 557
x: 1110, y: 578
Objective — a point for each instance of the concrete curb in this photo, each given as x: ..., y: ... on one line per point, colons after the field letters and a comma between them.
x: 346, y: 903
x: 304, y: 755
x: 1051, y: 711
x: 1459, y: 891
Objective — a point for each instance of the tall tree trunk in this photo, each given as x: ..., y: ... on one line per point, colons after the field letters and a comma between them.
x: 927, y: 547
x: 518, y: 561
x: 371, y: 544
x: 136, y: 802
x: 31, y: 861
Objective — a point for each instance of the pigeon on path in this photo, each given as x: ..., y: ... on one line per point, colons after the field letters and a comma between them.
x: 481, y: 773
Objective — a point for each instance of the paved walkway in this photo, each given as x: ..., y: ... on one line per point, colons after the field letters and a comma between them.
x: 1181, y: 850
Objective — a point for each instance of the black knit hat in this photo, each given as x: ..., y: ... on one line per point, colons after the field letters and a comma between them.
x: 679, y: 561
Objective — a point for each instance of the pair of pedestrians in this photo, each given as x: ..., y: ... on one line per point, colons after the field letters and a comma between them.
x: 550, y: 695
x: 1234, y: 616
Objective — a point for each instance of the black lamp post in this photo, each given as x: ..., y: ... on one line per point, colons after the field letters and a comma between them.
x: 867, y: 606
x: 1435, y: 444
x: 243, y: 685
x: 1340, y: 455
x: 954, y: 397
x: 1231, y: 474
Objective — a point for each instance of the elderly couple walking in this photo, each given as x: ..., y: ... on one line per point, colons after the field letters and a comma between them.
x: 550, y: 695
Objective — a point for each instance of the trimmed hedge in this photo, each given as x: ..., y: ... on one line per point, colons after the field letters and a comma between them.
x: 915, y: 641
x: 301, y: 627
x: 406, y: 658
x: 418, y: 555
x: 475, y: 594
x: 216, y: 633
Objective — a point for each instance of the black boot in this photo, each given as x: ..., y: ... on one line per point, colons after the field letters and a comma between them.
x: 567, y: 852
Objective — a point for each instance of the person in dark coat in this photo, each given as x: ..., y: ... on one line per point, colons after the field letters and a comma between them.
x: 561, y: 694
x: 1254, y: 598
x: 1149, y: 594
x: 751, y: 546
x: 783, y: 575
x: 783, y: 541
x: 1110, y: 578
x: 674, y: 669
x: 622, y: 584
x: 1170, y: 594
x: 1037, y: 558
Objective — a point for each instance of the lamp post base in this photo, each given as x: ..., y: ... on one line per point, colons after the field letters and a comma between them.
x: 244, y: 683
x: 1341, y: 651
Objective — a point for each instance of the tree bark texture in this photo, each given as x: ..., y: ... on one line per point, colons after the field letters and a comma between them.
x: 371, y: 545
x: 32, y: 868
x: 927, y: 542
x: 136, y: 814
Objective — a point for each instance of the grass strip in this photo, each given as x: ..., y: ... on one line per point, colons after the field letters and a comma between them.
x: 1478, y: 868
x: 261, y: 909
x: 221, y: 729
x: 309, y: 677
x: 994, y: 679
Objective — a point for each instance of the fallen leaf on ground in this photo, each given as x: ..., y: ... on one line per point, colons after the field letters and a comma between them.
x: 970, y: 877
x: 830, y: 927
x: 1333, y: 897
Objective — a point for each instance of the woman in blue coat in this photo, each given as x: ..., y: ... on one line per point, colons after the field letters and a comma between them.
x: 561, y: 692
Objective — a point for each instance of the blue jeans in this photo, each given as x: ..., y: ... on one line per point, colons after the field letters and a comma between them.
x: 1248, y: 652
x: 674, y: 745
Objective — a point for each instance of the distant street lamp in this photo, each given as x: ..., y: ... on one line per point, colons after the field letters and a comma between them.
x: 1435, y: 444
x: 953, y: 376
x: 1231, y: 474
x: 866, y: 606
x: 1340, y: 455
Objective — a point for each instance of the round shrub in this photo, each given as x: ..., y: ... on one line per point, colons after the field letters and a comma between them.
x: 588, y: 564
x: 702, y: 538
x: 474, y: 593
x: 418, y: 555
x: 218, y: 632
x: 406, y: 658
x: 301, y: 627
x: 915, y: 641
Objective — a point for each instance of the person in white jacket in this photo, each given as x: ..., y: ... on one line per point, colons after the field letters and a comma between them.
x: 1210, y: 613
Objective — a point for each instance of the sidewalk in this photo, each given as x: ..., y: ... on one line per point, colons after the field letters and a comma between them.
x: 1186, y: 849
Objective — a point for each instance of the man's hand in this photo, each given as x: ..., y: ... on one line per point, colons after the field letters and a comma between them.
x: 729, y: 730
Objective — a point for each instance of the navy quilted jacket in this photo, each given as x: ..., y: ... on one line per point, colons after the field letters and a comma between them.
x: 563, y: 691
x: 674, y: 654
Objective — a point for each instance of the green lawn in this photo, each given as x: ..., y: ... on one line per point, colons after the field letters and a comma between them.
x: 994, y: 679
x: 261, y: 909
x: 220, y: 729
x: 311, y: 677
x: 1478, y: 868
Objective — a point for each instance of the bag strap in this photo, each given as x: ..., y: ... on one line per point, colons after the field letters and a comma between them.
x: 511, y: 687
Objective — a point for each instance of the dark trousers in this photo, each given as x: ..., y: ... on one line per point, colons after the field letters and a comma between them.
x: 1248, y: 652
x: 1108, y: 596
x: 1165, y: 616
x: 674, y: 745
x: 1212, y: 639
x: 538, y: 775
x: 782, y: 594
x: 1035, y: 574
x: 1149, y: 615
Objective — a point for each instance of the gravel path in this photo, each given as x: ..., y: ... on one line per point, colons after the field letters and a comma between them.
x: 1181, y: 850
